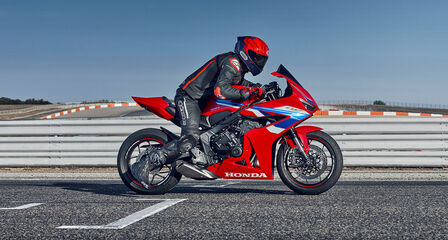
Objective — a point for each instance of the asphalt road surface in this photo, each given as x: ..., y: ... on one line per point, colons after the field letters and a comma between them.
x: 106, y: 209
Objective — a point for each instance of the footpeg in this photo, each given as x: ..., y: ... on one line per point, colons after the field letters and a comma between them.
x: 198, y: 157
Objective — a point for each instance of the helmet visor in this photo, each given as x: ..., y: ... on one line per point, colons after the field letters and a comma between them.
x: 258, y: 59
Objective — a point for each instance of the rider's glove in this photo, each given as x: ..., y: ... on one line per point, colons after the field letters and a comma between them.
x: 261, y: 89
x: 257, y: 92
x: 251, y: 93
x: 245, y: 94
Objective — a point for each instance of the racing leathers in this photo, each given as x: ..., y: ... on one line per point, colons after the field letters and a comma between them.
x: 215, y: 77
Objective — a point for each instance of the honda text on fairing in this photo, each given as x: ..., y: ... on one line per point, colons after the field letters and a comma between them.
x: 242, y: 140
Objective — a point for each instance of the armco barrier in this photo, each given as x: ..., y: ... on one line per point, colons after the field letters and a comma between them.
x: 365, y: 141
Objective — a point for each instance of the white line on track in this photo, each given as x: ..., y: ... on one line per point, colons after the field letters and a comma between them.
x: 158, y: 199
x: 214, y: 185
x: 30, y: 205
x: 133, y: 218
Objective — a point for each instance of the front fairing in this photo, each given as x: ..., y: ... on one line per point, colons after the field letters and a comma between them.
x: 296, y: 105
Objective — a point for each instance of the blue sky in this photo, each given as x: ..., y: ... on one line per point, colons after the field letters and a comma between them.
x: 69, y: 51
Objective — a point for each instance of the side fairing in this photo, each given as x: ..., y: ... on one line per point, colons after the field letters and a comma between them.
x: 258, y: 142
x: 257, y: 145
x: 215, y: 105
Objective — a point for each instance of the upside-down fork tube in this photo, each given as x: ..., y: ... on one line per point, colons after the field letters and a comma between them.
x: 298, y: 139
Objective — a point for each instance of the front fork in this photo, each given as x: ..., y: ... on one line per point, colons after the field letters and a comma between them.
x: 297, y: 139
x: 299, y: 144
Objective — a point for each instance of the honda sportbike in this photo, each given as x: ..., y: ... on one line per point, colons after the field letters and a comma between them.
x: 242, y: 140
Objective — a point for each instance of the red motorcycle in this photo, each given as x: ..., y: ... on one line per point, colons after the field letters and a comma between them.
x: 242, y: 140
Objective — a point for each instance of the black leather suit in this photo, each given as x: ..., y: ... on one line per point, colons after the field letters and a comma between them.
x: 215, y: 77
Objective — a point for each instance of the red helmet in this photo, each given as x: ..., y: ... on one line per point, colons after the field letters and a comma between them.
x: 254, y: 53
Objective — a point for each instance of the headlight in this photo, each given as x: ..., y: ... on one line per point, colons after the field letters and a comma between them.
x: 308, y: 105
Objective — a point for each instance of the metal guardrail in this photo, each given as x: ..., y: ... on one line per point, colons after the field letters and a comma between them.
x: 388, y: 142
x: 388, y: 103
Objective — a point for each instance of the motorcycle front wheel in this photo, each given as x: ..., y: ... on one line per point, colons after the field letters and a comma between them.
x: 317, y: 174
x: 131, y: 149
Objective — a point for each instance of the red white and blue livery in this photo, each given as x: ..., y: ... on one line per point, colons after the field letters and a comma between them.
x: 246, y: 140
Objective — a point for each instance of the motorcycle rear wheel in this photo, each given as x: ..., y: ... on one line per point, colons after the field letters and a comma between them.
x: 162, y: 181
x: 316, y: 176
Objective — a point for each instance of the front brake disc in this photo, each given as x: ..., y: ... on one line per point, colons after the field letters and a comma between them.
x: 316, y: 165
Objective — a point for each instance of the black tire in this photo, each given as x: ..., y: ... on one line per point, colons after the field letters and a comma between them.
x: 154, y: 138
x: 320, y: 185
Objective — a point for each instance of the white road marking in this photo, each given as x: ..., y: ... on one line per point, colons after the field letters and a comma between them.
x: 30, y: 205
x: 214, y: 185
x: 157, y: 199
x: 133, y: 218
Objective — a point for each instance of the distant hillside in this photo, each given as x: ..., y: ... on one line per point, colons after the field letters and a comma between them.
x: 9, y: 101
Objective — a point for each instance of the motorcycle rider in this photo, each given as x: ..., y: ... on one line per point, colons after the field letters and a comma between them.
x: 215, y: 77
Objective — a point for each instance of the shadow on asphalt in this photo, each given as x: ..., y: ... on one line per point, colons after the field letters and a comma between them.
x: 228, y: 190
x: 122, y: 190
x: 392, y: 183
x: 96, y: 188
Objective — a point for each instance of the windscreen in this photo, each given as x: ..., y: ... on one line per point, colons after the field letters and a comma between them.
x: 288, y: 91
x: 283, y: 71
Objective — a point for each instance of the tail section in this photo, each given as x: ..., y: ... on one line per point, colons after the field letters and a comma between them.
x: 161, y: 106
